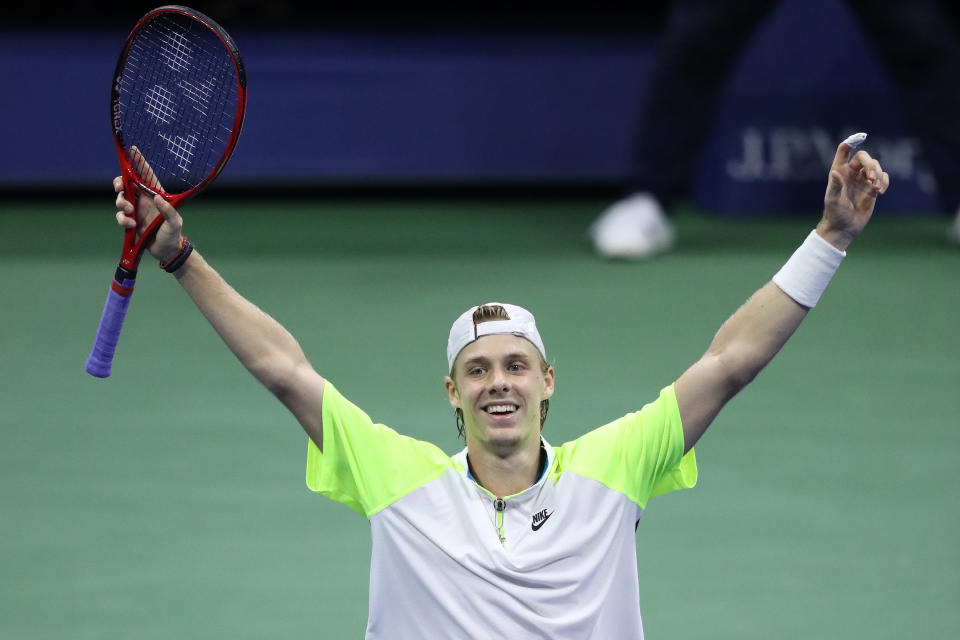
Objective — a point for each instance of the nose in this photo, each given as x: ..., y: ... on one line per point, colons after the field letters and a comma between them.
x: 499, y: 382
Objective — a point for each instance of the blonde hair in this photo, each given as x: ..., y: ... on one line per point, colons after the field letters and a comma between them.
x: 489, y: 312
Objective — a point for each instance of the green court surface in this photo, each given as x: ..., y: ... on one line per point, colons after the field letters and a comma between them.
x: 169, y: 500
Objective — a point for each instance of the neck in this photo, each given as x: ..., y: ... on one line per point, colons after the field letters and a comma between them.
x: 506, y: 475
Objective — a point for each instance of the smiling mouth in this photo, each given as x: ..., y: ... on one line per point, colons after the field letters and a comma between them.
x: 502, y: 409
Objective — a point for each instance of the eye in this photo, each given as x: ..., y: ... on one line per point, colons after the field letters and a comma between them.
x: 516, y: 366
x: 476, y: 371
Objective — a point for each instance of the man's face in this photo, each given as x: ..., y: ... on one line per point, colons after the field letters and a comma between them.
x: 499, y: 384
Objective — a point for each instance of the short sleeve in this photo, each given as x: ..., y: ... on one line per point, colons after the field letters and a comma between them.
x: 364, y: 465
x: 639, y: 455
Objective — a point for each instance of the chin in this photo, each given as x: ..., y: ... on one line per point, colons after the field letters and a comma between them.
x: 506, y: 437
x: 509, y: 440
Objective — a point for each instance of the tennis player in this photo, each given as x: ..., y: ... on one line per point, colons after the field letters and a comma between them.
x: 512, y: 537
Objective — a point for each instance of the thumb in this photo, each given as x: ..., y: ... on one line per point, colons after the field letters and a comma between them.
x: 846, y: 149
x: 169, y: 213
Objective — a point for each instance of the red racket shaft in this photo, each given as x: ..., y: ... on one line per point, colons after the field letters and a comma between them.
x: 100, y: 360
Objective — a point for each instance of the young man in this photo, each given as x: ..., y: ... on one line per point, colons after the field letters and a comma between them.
x: 512, y: 537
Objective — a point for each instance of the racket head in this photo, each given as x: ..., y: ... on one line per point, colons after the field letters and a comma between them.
x: 177, y: 103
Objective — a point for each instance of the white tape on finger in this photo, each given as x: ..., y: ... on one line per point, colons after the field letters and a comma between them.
x: 855, y: 140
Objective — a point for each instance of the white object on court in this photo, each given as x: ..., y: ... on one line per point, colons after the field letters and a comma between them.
x: 954, y: 232
x: 633, y: 228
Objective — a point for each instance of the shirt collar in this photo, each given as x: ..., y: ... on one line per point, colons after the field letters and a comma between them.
x: 546, y: 457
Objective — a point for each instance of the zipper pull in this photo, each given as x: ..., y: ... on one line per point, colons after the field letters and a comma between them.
x: 499, y: 505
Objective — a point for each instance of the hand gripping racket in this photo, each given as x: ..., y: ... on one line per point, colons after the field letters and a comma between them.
x: 176, y: 108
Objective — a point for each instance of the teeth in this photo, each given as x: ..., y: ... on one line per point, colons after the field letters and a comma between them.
x: 501, y: 408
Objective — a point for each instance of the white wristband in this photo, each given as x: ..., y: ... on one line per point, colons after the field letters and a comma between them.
x: 808, y: 271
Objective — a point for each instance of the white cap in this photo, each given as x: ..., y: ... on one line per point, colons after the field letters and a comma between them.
x: 464, y: 331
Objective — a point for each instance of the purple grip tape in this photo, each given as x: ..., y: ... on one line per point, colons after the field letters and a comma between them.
x: 100, y: 359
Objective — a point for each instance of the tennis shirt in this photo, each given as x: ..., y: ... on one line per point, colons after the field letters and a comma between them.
x: 451, y: 560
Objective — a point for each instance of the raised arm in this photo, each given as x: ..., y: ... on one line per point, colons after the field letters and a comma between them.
x: 750, y: 338
x: 264, y: 347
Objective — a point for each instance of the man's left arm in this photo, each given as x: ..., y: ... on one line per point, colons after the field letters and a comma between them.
x: 750, y: 338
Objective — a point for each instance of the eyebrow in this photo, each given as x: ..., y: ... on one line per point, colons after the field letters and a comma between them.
x: 485, y: 360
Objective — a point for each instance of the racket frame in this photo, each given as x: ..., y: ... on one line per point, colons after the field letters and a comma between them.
x: 121, y: 287
x: 132, y: 181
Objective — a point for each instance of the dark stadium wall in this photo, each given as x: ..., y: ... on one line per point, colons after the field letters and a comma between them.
x: 476, y: 102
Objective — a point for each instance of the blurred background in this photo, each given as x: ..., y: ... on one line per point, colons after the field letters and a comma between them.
x: 484, y: 98
x: 396, y: 167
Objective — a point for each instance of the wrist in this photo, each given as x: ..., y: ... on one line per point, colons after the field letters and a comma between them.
x: 178, y: 259
x: 170, y: 254
x: 188, y: 265
x: 807, y: 273
x: 836, y: 237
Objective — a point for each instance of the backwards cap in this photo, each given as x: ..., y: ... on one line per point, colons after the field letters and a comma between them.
x: 464, y: 330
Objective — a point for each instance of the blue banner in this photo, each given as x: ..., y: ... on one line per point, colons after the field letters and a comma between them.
x: 807, y: 80
x: 475, y: 108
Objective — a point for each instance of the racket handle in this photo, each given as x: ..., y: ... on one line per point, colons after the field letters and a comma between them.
x: 100, y: 360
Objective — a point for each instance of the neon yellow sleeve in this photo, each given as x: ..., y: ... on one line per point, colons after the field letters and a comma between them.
x: 367, y: 466
x: 640, y: 455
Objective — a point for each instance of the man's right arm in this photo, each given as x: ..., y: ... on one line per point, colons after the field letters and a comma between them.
x: 262, y: 345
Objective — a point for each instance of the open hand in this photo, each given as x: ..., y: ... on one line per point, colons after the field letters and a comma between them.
x: 852, y: 190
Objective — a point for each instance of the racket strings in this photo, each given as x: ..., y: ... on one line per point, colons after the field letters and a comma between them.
x: 178, y: 101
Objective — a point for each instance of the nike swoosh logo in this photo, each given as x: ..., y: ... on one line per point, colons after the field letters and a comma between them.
x: 536, y: 527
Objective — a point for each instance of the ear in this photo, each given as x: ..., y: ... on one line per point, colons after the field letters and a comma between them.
x: 452, y: 392
x: 549, y: 379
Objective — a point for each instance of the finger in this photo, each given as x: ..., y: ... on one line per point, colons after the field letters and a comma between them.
x: 884, y: 182
x: 125, y: 222
x: 860, y: 160
x: 118, y: 184
x: 872, y: 172
x: 864, y: 199
x: 123, y: 205
x: 875, y: 174
x: 169, y: 213
x: 846, y: 148
x: 143, y: 169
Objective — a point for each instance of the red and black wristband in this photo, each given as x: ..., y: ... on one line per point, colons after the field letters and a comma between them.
x: 174, y: 263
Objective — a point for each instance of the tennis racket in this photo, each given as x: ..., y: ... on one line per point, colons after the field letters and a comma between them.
x: 176, y: 108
